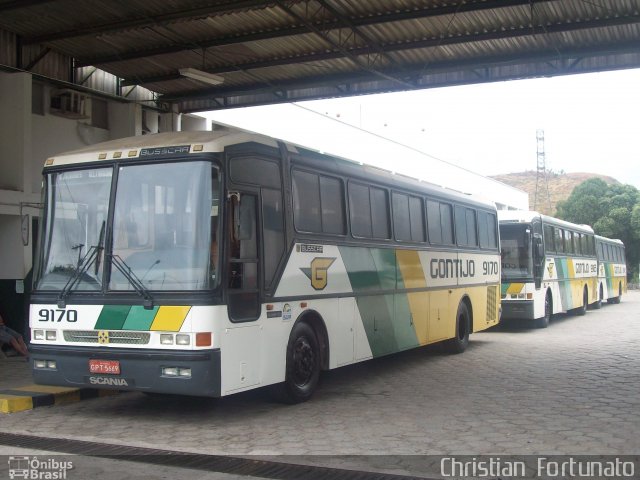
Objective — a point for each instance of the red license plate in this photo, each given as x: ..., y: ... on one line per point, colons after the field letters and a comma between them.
x: 110, y: 367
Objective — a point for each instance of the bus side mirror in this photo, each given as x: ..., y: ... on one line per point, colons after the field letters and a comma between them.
x: 539, y: 249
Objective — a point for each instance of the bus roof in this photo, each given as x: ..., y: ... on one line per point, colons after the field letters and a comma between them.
x: 615, y: 241
x: 133, y: 148
x: 527, y: 216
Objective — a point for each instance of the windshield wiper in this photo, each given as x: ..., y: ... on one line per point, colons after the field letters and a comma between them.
x: 83, y: 265
x: 135, y: 282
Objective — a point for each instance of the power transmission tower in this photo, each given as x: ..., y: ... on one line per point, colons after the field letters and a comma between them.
x: 542, y: 182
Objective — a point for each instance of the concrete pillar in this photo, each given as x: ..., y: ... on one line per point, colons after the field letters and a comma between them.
x: 15, y: 171
x: 125, y: 120
x: 193, y: 123
x: 15, y: 131
x: 171, y: 122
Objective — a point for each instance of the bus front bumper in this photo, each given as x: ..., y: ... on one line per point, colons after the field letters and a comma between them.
x: 140, y: 370
x: 517, y: 310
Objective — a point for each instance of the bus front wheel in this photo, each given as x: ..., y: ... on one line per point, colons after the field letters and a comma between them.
x: 585, y: 301
x: 598, y: 303
x: 619, y: 297
x: 459, y: 343
x: 543, y: 322
x: 302, y: 365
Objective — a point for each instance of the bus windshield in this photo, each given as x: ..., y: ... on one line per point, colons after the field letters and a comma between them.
x: 516, y: 251
x: 77, y: 203
x: 164, y: 231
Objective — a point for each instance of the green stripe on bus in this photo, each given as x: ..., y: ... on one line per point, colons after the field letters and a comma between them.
x: 608, y: 272
x: 112, y: 317
x: 564, y: 284
x: 140, y: 318
x: 403, y: 327
x: 378, y: 324
x: 375, y: 269
x: 361, y: 269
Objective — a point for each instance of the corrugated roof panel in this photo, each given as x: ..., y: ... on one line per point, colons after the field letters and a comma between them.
x: 299, y: 47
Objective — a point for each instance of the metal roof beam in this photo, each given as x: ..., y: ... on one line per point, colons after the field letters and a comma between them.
x: 20, y: 4
x: 555, y: 66
x: 379, y: 19
x: 146, y: 21
x: 341, y: 48
x: 388, y: 48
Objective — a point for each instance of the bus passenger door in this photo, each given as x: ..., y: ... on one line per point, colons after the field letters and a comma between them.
x: 242, y: 283
x: 537, y: 248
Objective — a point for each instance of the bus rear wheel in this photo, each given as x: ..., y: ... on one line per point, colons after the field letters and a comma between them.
x: 459, y: 343
x: 302, y: 366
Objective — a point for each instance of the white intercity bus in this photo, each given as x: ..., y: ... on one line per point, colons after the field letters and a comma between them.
x: 210, y: 263
x: 549, y: 266
x: 612, y: 270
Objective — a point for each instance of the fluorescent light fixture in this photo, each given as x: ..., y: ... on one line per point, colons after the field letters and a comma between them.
x: 201, y: 76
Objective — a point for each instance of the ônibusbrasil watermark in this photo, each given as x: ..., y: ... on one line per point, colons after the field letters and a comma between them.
x: 34, y: 468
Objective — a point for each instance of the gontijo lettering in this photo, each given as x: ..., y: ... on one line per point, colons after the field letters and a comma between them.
x: 452, y: 268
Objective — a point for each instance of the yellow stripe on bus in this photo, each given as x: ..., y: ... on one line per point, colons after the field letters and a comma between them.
x: 170, y: 318
x: 413, y: 277
x: 515, y: 288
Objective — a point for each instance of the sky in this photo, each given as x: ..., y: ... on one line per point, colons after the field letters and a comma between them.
x: 590, y: 124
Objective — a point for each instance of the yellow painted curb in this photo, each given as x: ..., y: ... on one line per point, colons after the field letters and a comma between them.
x: 14, y: 403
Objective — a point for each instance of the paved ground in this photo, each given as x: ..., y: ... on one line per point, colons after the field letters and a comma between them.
x: 573, y: 388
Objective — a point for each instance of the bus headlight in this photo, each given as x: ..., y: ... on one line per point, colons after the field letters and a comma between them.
x: 183, y: 339
x: 51, y: 335
x: 38, y: 334
x: 166, y: 339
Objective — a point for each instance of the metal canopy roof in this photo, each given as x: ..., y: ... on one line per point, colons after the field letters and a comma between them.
x: 282, y: 51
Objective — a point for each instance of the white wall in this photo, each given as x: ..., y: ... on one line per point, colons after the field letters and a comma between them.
x: 52, y: 135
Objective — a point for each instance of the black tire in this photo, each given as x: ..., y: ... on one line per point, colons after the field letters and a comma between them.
x: 598, y: 303
x: 459, y: 343
x: 303, y: 366
x: 585, y: 301
x: 543, y: 322
x: 617, y: 299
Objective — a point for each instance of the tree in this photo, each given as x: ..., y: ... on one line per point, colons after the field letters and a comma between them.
x: 612, y: 210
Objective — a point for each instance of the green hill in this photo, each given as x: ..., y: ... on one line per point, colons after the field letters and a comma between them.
x: 560, y: 186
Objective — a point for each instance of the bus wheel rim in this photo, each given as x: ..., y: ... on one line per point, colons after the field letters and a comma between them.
x: 303, y: 361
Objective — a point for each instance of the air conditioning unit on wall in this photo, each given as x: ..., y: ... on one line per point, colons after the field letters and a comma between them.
x: 70, y: 104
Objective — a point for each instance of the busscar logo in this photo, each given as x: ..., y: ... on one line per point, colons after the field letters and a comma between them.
x: 318, y: 273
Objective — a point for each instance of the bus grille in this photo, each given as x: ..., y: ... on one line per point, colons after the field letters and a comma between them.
x: 91, y: 336
x: 492, y: 296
